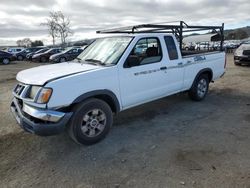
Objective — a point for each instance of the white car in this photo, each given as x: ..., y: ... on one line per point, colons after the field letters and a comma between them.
x: 110, y: 76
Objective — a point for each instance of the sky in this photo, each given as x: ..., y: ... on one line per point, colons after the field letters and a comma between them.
x: 22, y: 18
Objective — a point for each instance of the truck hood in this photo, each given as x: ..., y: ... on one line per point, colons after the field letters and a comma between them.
x: 42, y: 74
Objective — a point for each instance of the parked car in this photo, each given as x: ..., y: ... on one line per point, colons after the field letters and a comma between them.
x: 189, y: 46
x: 242, y: 55
x: 66, y: 55
x: 14, y: 50
x: 5, y: 57
x: 44, y: 57
x: 29, y: 55
x: 22, y: 55
x: 230, y: 45
x: 202, y: 46
x: 109, y: 76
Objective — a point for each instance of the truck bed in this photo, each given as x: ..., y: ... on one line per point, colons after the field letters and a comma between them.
x: 185, y: 53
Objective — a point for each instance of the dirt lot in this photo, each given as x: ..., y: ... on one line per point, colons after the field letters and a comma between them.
x: 172, y: 142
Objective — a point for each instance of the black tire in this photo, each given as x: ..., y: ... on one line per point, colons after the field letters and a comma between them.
x: 236, y: 63
x: 83, y: 122
x: 199, y: 88
x: 43, y: 59
x: 20, y: 58
x: 62, y: 59
x: 5, y: 61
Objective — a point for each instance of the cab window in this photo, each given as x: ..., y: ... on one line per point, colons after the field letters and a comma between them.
x: 171, y: 47
x: 146, y: 51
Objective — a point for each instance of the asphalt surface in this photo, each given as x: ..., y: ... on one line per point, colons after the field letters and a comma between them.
x: 172, y: 142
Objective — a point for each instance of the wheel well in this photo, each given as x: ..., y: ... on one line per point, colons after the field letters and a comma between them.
x: 209, y: 74
x: 108, y: 100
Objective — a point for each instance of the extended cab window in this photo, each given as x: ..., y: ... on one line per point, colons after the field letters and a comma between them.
x: 147, y: 50
x: 171, y: 47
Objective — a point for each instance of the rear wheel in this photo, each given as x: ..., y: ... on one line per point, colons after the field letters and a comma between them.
x: 200, y: 88
x: 90, y: 122
x: 6, y: 61
x: 43, y: 59
x: 20, y: 58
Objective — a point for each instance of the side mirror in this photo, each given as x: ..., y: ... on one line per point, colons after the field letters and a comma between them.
x: 132, y: 61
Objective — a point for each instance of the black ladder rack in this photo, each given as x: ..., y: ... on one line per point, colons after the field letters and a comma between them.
x: 176, y: 29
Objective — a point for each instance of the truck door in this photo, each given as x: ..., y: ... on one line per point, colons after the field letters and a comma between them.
x: 142, y: 75
x: 175, y: 66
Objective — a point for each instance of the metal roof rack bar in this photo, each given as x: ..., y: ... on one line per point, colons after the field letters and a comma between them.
x: 176, y: 29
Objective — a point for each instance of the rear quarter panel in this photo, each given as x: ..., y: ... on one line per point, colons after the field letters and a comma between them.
x: 194, y: 64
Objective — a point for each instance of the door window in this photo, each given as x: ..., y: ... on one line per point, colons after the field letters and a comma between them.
x: 147, y: 50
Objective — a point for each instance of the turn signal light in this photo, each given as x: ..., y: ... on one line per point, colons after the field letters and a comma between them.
x: 44, y: 95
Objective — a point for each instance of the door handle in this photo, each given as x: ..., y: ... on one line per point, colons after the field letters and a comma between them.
x: 179, y: 64
x: 163, y: 68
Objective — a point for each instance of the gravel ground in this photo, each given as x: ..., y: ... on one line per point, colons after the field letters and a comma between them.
x: 172, y: 142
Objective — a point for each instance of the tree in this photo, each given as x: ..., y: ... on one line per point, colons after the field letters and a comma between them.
x: 26, y: 42
x: 37, y: 43
x: 52, y: 26
x: 19, y: 43
x: 58, y: 26
x: 63, y: 26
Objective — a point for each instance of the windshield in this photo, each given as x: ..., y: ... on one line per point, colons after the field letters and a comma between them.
x: 105, y: 51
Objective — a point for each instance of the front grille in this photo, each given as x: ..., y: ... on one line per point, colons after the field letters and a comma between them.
x: 19, y: 89
x: 246, y: 52
x: 20, y: 102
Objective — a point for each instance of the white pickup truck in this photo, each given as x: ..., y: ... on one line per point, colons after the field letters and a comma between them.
x: 113, y: 74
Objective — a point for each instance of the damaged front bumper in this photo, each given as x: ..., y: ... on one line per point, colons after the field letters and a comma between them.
x: 39, y: 121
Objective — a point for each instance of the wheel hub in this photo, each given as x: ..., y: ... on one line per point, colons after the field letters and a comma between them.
x: 94, y: 123
x: 202, y: 87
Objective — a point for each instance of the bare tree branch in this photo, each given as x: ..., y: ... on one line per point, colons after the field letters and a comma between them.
x: 58, y: 26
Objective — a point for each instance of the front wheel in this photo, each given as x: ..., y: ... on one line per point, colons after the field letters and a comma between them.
x: 199, y: 88
x: 6, y: 61
x: 90, y: 122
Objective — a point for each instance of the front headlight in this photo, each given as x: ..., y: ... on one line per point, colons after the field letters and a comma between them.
x: 44, y: 95
x: 33, y: 91
x: 238, y: 52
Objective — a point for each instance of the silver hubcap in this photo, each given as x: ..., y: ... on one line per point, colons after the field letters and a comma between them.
x: 5, y: 61
x: 93, y: 123
x: 202, y: 88
x: 62, y: 59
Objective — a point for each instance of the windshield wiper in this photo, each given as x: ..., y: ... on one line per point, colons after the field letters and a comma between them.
x: 95, y: 61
